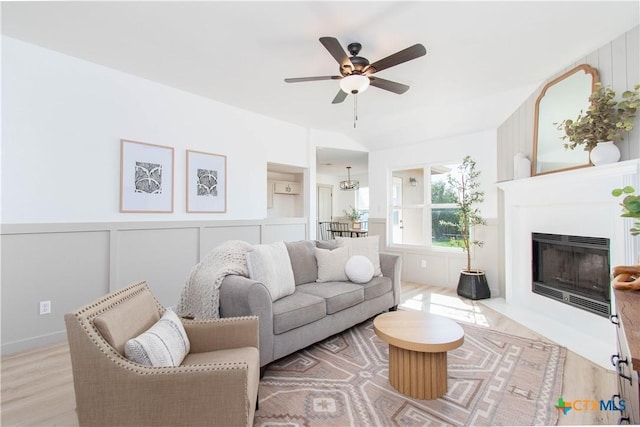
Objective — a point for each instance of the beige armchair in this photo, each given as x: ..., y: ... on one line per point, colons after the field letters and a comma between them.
x: 216, y: 384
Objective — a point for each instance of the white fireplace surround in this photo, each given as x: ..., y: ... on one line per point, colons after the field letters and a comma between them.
x: 576, y: 202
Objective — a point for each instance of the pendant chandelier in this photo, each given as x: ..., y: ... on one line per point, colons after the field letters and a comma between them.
x: 349, y: 185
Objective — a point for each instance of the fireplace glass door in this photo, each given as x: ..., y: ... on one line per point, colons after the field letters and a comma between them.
x: 572, y: 269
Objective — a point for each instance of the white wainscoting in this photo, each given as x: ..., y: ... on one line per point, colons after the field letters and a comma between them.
x: 73, y: 264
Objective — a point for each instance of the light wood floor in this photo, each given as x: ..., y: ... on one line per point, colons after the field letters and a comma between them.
x: 37, y: 385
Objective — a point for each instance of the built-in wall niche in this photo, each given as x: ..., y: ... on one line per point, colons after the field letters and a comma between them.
x: 285, y: 191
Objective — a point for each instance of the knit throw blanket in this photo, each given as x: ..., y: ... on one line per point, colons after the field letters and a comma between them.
x: 200, y: 296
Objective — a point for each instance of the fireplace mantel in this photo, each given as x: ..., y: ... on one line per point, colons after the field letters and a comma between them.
x: 570, y: 177
x: 576, y: 202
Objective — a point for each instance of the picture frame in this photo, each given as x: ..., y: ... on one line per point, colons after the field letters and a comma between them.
x: 206, y: 182
x: 146, y: 177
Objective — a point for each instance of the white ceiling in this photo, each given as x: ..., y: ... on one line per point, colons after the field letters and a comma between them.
x: 483, y: 58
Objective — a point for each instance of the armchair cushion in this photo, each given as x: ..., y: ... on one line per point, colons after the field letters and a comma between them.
x: 128, y: 319
x: 164, y: 344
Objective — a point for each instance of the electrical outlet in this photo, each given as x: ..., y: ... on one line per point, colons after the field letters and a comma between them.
x: 45, y: 307
x: 424, y: 263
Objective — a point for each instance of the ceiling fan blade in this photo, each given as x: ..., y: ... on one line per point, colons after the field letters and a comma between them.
x: 333, y: 46
x: 341, y: 96
x: 412, y: 52
x: 311, y: 79
x: 394, y: 87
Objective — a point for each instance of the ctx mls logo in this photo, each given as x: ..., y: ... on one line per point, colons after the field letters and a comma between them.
x: 580, y: 405
x: 563, y: 406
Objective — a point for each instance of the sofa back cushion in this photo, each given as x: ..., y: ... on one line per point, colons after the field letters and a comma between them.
x: 127, y: 319
x: 303, y: 261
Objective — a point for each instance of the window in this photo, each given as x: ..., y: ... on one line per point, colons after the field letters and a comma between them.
x: 362, y: 202
x: 421, y: 200
x: 443, y: 207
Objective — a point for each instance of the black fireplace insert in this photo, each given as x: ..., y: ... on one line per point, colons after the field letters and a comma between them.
x: 573, y: 270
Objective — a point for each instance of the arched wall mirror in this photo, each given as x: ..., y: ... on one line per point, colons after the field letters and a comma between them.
x: 560, y: 99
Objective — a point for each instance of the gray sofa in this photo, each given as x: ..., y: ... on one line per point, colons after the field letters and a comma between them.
x: 315, y: 311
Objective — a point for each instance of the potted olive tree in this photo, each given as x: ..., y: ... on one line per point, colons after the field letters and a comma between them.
x: 602, y: 124
x: 472, y: 283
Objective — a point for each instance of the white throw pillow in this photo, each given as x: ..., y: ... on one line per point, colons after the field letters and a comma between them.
x: 359, y: 269
x: 271, y: 266
x: 331, y: 264
x: 367, y: 246
x: 164, y: 344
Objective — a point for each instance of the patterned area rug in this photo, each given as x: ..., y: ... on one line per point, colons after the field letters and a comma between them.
x: 494, y: 379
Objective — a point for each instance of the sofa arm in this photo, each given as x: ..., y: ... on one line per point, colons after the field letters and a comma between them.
x: 391, y: 266
x: 240, y: 296
x: 220, y: 334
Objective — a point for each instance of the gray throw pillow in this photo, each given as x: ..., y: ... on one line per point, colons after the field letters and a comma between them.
x: 303, y: 261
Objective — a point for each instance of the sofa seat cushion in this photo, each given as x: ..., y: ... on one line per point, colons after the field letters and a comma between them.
x: 376, y: 287
x: 338, y: 295
x: 297, y: 309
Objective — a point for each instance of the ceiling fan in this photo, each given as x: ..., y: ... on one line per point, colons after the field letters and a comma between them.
x: 356, y: 73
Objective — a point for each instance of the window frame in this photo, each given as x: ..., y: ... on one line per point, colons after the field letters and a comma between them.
x: 427, y: 209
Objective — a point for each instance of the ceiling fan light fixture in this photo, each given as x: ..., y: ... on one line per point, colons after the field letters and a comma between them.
x: 354, y: 83
x: 349, y: 184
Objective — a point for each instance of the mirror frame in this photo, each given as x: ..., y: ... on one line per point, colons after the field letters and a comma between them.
x: 595, y: 78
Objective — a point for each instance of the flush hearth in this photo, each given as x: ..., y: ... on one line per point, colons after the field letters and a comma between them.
x: 573, y: 270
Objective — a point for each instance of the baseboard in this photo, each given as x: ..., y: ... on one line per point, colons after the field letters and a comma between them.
x: 30, y: 343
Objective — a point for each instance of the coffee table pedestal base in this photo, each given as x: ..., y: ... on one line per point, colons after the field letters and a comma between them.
x: 420, y: 375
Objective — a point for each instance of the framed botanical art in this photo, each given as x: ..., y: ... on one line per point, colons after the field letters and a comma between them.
x: 146, y: 177
x: 206, y: 182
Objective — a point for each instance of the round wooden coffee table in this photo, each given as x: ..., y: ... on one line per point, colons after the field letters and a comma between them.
x: 418, y: 345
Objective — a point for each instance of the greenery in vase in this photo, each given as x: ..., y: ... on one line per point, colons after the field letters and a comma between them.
x: 352, y: 215
x: 605, y: 119
x: 466, y: 185
x: 630, y: 206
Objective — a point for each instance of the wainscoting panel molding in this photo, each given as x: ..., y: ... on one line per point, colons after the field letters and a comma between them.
x: 163, y: 258
x: 67, y: 268
x: 73, y: 264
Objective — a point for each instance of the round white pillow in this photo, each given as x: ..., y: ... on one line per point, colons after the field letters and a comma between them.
x: 359, y: 269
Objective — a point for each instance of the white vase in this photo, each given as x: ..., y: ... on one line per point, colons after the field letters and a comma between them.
x: 604, y: 153
x: 521, y: 166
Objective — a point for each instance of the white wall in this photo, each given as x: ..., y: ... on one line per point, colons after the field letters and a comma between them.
x: 342, y: 200
x: 62, y: 121
x: 442, y: 267
x: 480, y: 145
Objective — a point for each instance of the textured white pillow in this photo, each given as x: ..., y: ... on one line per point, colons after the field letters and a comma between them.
x: 331, y: 264
x: 367, y: 246
x: 359, y: 269
x: 164, y: 344
x: 271, y: 266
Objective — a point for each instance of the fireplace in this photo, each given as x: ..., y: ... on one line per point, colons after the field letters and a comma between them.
x: 573, y: 270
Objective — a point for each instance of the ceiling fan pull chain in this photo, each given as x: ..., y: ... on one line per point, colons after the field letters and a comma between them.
x: 355, y: 109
